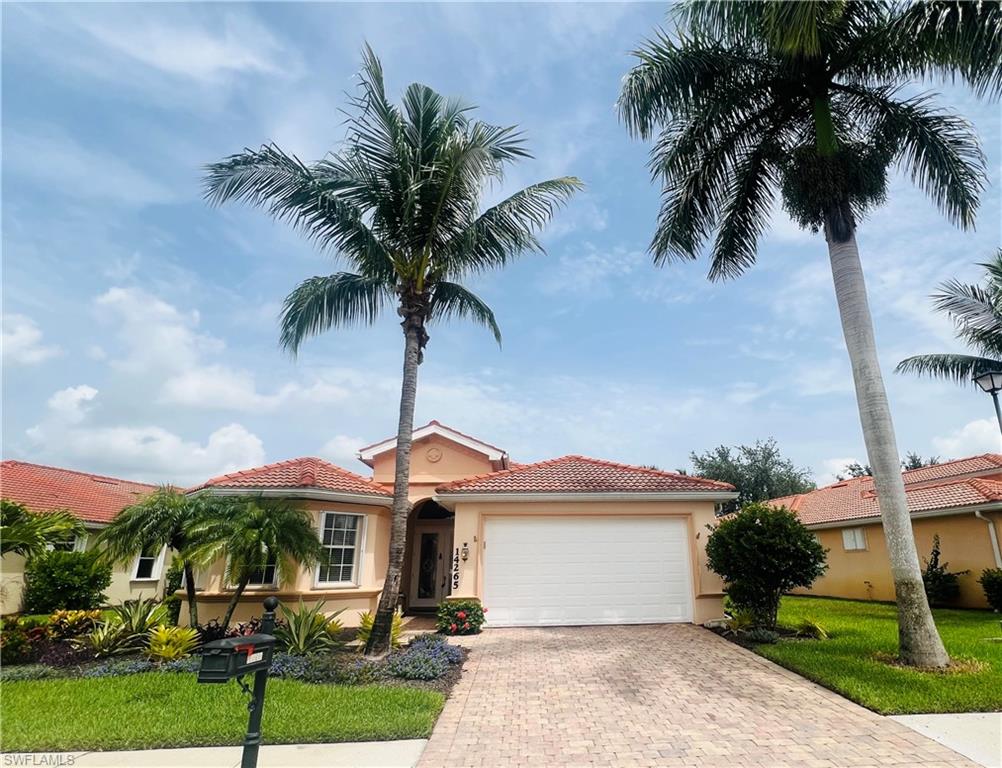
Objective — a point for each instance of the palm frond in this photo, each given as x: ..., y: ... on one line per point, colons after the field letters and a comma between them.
x: 959, y: 368
x: 449, y: 300
x: 322, y: 302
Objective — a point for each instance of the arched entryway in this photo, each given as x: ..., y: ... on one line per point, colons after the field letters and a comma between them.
x: 427, y: 564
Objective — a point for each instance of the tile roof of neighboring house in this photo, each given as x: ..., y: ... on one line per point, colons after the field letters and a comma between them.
x: 307, y: 472
x: 92, y: 498
x: 579, y: 474
x: 940, y: 486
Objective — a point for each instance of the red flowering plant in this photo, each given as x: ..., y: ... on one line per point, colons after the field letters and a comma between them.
x: 460, y: 617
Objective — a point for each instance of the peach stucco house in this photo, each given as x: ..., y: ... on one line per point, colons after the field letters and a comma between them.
x: 568, y: 541
x: 960, y: 501
x: 95, y: 500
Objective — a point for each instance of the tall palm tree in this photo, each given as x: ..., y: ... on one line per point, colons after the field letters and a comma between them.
x: 164, y: 518
x: 805, y: 100
x: 400, y: 204
x: 977, y: 312
x: 27, y: 533
x: 256, y: 535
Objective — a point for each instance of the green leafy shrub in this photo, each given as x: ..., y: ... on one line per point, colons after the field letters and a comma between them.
x: 760, y: 635
x: 65, y: 580
x: 942, y: 586
x: 809, y: 627
x: 741, y: 620
x: 172, y: 583
x: 365, y: 622
x: 991, y: 583
x: 109, y: 638
x: 64, y: 625
x: 460, y: 617
x: 171, y: 643
x: 761, y: 552
x: 139, y: 617
x: 20, y: 644
x: 308, y: 630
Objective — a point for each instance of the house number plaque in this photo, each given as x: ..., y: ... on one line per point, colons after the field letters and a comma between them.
x: 455, y: 570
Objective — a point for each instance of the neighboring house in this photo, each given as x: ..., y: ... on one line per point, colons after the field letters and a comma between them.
x: 95, y: 500
x: 960, y: 501
x: 567, y: 541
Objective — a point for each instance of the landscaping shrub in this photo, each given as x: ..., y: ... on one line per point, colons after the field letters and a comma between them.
x: 460, y: 617
x: 365, y: 628
x: 210, y: 631
x: 172, y: 583
x: 308, y: 630
x: 62, y: 654
x: 188, y: 666
x: 250, y: 627
x: 64, y: 625
x: 340, y: 669
x: 761, y: 552
x: 12, y: 674
x: 109, y: 638
x: 139, y: 617
x: 65, y: 580
x: 171, y: 643
x: 991, y: 583
x: 423, y: 659
x: 288, y: 666
x: 760, y: 635
x: 20, y: 644
x: 809, y: 627
x: 942, y: 587
x: 119, y: 668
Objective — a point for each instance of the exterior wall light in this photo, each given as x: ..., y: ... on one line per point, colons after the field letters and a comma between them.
x: 465, y: 553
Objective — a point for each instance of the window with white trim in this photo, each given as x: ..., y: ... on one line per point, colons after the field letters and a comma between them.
x: 853, y: 539
x: 341, y: 535
x: 264, y: 576
x: 72, y: 544
x: 148, y: 564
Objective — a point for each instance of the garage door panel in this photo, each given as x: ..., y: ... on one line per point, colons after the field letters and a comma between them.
x: 567, y: 570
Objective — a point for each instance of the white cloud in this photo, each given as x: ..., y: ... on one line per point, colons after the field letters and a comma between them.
x: 69, y: 404
x: 978, y: 436
x: 22, y: 342
x: 149, y: 452
x: 824, y: 377
x: 216, y: 386
x: 828, y: 470
x: 342, y: 449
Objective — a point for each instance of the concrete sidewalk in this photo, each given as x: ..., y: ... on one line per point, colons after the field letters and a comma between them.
x: 369, y: 754
x: 975, y: 735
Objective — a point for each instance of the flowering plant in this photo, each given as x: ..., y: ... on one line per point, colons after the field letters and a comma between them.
x: 460, y: 617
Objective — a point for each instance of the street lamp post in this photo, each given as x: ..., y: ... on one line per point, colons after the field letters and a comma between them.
x: 991, y: 382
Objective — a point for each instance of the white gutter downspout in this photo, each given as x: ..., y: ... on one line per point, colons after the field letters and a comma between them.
x: 993, y: 535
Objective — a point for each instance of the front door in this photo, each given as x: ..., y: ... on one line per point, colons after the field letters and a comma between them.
x: 430, y: 564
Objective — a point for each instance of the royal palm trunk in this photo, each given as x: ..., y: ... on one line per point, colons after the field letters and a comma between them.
x: 920, y: 644
x: 379, y: 639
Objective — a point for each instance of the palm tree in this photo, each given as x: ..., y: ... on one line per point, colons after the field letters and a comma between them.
x: 752, y: 99
x: 164, y: 518
x: 977, y: 311
x: 27, y: 533
x: 399, y: 204
x: 255, y: 536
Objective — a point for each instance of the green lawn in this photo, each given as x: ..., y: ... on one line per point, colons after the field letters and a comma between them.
x: 171, y: 710
x: 846, y: 662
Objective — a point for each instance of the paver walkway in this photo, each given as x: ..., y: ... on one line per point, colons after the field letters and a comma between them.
x: 671, y: 696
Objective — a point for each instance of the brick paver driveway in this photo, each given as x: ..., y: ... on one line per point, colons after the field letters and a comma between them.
x: 668, y: 695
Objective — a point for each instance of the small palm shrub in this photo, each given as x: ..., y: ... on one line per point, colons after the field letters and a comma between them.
x: 308, y: 630
x: 64, y: 625
x: 991, y: 583
x: 65, y: 580
x: 741, y: 620
x: 171, y: 643
x: 809, y: 627
x: 365, y: 628
x: 109, y: 638
x: 138, y: 617
x: 942, y: 586
x: 460, y: 617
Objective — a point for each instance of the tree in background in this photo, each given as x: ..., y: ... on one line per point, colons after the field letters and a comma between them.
x: 27, y: 533
x: 977, y: 312
x: 911, y: 460
x: 759, y: 471
x: 400, y: 204
x: 808, y: 102
x: 267, y: 540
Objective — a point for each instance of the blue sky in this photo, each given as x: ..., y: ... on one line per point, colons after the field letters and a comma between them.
x: 140, y: 334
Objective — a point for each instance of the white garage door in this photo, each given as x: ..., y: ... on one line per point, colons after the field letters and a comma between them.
x: 586, y: 570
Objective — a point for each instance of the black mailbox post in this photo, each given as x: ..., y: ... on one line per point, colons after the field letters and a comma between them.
x: 234, y: 657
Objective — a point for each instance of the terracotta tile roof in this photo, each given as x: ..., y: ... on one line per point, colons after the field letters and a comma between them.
x: 306, y: 472
x: 941, y: 486
x: 579, y: 474
x: 92, y: 498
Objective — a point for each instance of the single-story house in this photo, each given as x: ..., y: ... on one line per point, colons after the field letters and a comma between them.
x: 567, y: 541
x: 95, y: 500
x: 960, y: 501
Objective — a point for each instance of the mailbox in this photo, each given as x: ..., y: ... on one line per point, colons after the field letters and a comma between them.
x: 223, y: 660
